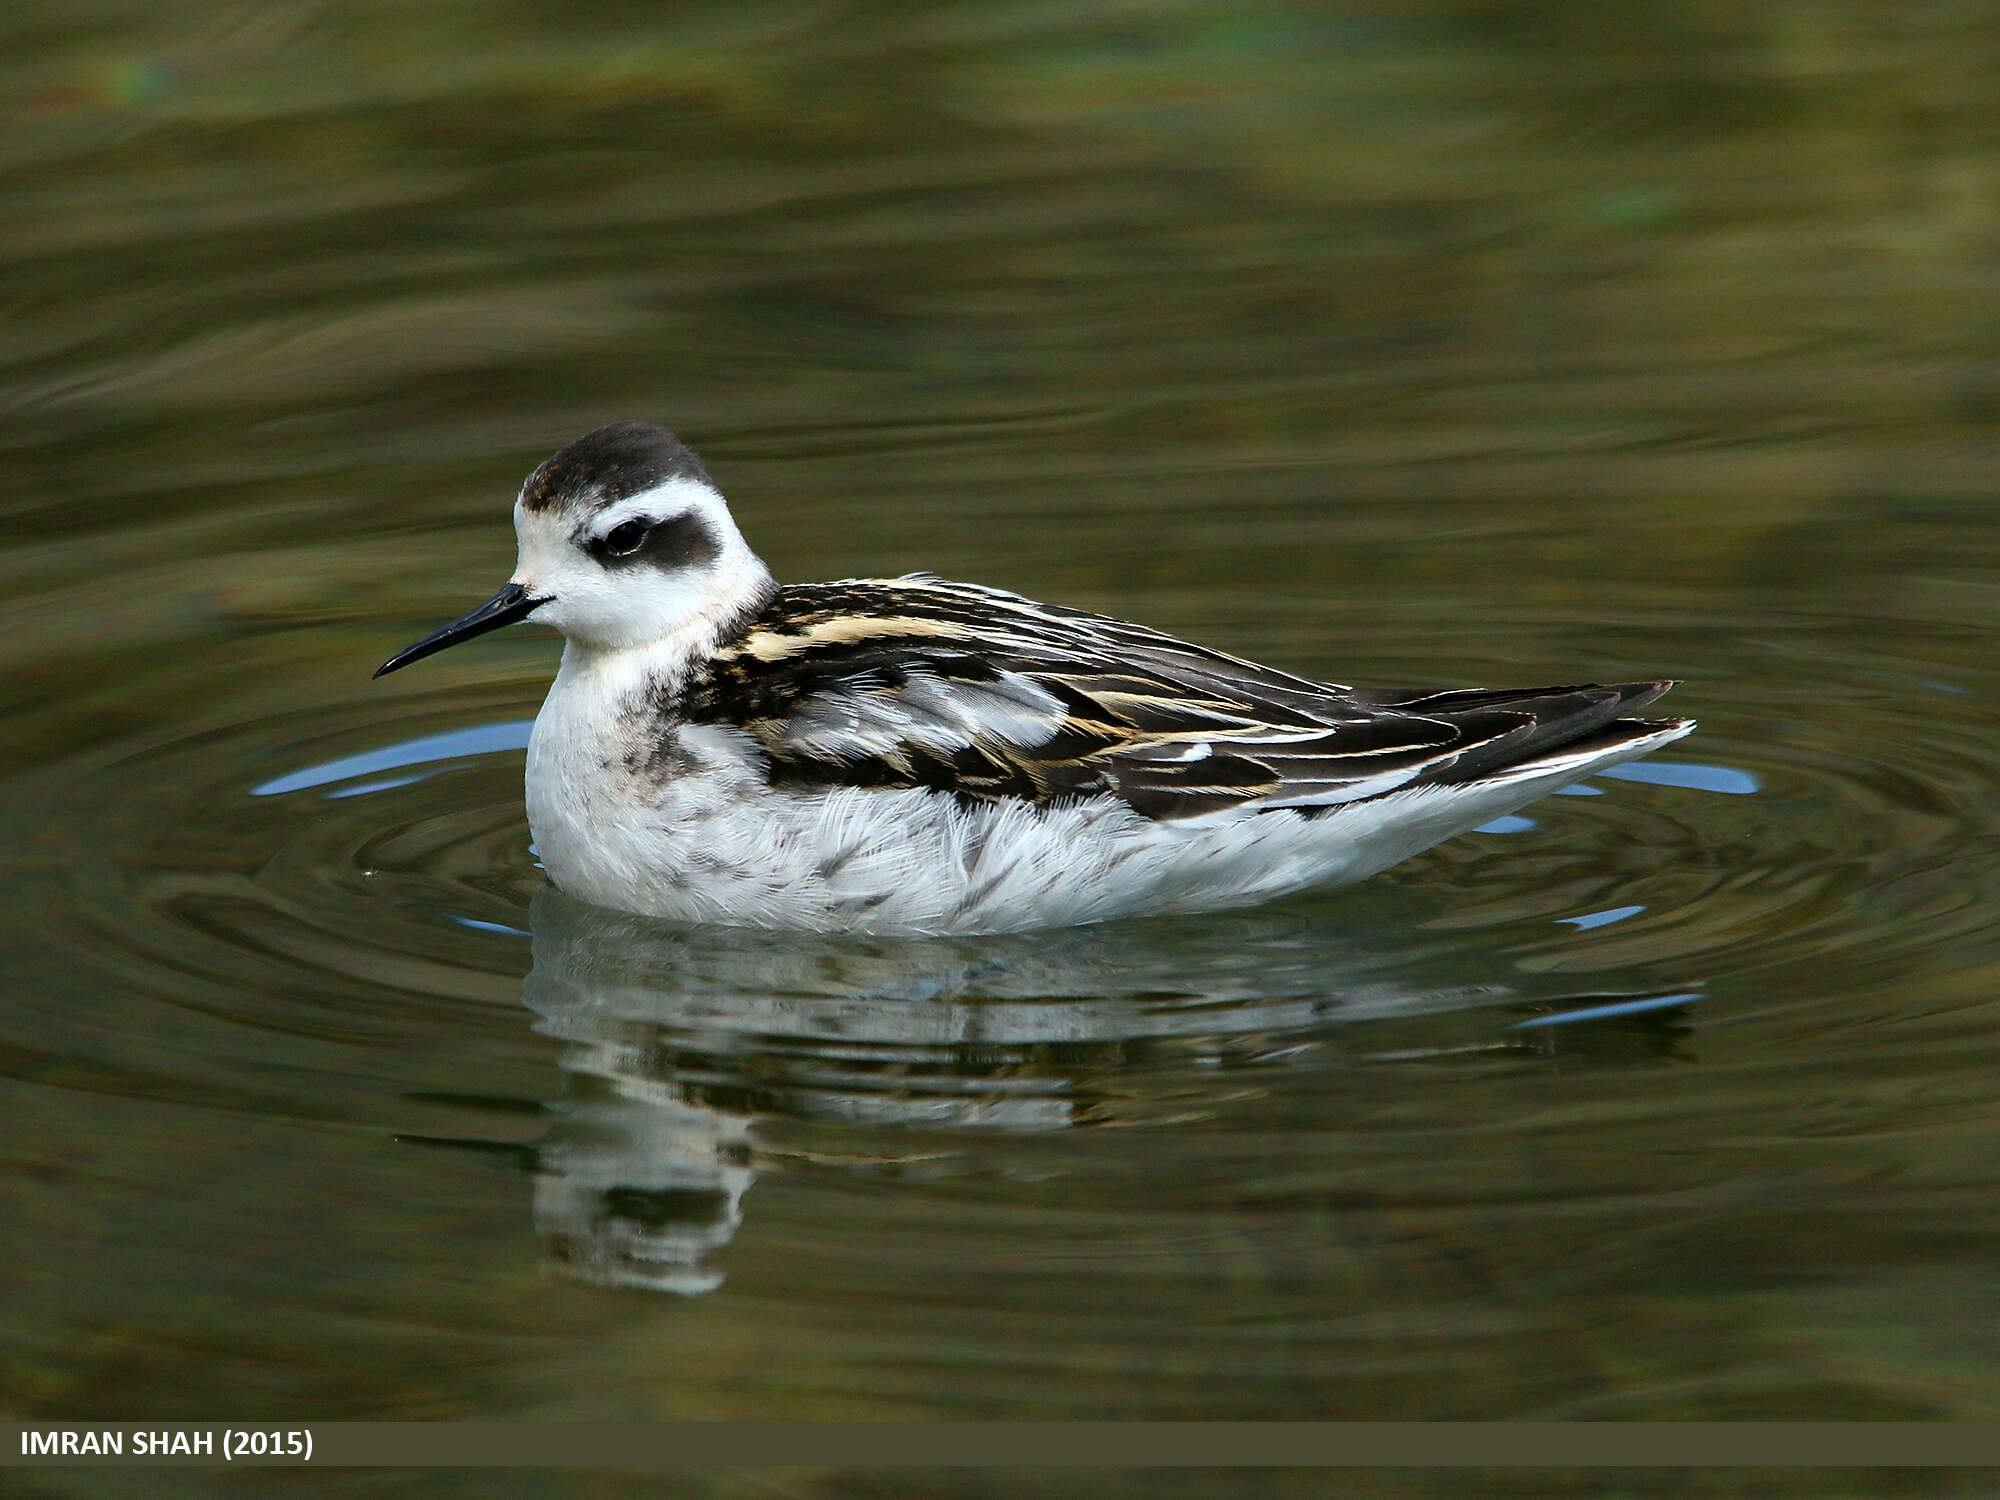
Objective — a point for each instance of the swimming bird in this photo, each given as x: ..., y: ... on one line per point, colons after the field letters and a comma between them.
x: 910, y: 755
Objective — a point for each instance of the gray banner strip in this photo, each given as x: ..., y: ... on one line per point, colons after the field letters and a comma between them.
x: 670, y: 1445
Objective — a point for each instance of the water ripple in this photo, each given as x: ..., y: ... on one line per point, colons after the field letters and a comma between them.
x: 1605, y: 929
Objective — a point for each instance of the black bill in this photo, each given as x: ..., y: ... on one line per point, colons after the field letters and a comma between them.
x: 504, y: 608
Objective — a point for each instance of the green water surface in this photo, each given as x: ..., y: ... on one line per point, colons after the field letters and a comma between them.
x: 1403, y: 345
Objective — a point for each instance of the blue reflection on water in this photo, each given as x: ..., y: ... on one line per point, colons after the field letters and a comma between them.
x: 1682, y: 773
x: 1604, y: 1012
x: 1725, y: 779
x: 480, y: 739
x: 500, y: 927
x: 1602, y: 918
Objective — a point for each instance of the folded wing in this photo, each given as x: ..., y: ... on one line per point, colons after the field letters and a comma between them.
x: 918, y: 682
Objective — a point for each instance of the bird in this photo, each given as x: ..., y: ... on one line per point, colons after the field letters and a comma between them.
x: 910, y: 756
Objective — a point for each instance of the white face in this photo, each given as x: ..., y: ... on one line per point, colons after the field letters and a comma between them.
x: 664, y: 563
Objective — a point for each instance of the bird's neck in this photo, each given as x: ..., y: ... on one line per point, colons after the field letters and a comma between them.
x: 658, y: 670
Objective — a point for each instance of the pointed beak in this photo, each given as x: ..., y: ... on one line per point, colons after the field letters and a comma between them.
x: 504, y: 608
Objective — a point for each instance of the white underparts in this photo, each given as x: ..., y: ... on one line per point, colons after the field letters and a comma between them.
x: 682, y: 823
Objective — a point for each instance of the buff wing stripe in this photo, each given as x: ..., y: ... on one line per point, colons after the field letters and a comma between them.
x: 919, y: 682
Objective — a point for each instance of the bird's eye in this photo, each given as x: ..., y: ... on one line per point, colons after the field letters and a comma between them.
x: 626, y: 538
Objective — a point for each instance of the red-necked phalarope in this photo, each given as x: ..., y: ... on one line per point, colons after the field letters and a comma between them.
x: 907, y: 755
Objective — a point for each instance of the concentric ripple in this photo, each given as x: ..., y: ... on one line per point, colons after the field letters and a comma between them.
x: 1439, y: 347
x: 344, y: 878
x: 334, y: 920
x: 332, y: 854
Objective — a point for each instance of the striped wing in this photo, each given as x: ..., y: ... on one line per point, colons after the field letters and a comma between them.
x: 918, y: 682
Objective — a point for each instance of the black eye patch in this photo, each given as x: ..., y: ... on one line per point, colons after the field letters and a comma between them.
x: 681, y: 542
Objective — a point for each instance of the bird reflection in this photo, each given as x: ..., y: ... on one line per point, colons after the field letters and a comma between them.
x: 681, y: 1041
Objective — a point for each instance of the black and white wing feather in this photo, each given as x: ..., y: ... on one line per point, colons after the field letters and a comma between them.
x: 917, y: 682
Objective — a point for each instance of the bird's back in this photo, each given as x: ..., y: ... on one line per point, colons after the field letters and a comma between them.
x: 917, y: 682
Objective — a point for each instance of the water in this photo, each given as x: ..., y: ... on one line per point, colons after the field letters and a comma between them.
x: 1415, y: 347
